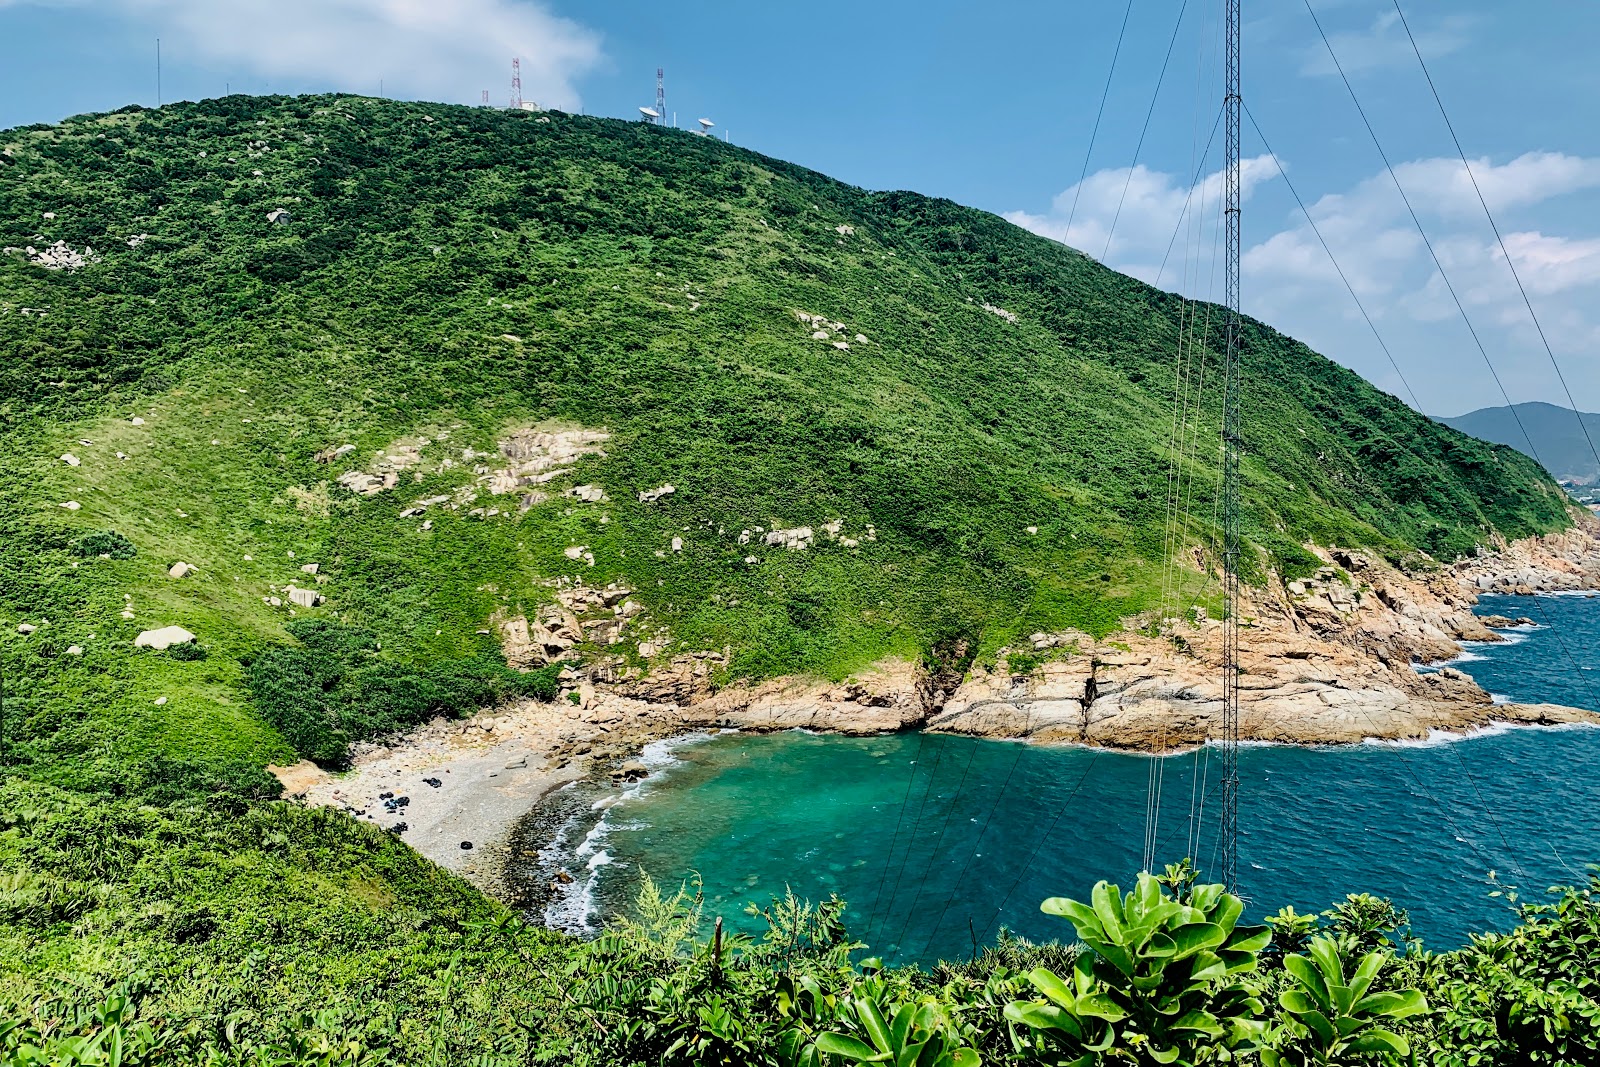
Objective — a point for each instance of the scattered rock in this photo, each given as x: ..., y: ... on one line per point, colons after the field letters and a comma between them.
x: 305, y: 598
x: 136, y: 421
x: 310, y: 568
x: 179, y: 570
x: 61, y: 256
x: 75, y: 650
x: 277, y: 216
x: 796, y: 540
x: 70, y: 505
x: 26, y: 628
x: 466, y: 846
x: 650, y: 496
x: 70, y: 460
x: 160, y: 701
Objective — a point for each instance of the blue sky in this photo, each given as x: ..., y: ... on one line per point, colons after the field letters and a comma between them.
x: 992, y: 105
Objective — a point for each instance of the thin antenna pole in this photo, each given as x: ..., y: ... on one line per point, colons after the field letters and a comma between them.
x: 1231, y: 542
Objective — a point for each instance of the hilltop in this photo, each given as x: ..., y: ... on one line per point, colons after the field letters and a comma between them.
x: 268, y: 331
x: 1556, y: 434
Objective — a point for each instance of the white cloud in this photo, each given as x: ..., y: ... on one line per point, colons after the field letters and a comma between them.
x: 1290, y: 281
x: 1529, y: 179
x: 1384, y: 44
x: 1154, y: 206
x: 438, y: 49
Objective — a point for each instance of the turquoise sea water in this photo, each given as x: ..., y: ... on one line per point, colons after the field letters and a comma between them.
x: 937, y: 841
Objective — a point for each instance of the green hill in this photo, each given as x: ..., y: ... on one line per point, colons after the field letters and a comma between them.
x: 181, y: 376
x: 448, y: 275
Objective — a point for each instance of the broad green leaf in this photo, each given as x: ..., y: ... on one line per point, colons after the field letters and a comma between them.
x: 1379, y: 1041
x: 1159, y: 947
x: 1310, y: 978
x: 1107, y: 902
x: 851, y: 1049
x: 1189, y: 940
x: 1318, y: 1024
x: 1251, y: 939
x: 1228, y: 910
x: 1325, y: 952
x: 1198, y: 1021
x: 1100, y: 1006
x: 1366, y: 971
x: 1397, y: 1005
x: 872, y: 1021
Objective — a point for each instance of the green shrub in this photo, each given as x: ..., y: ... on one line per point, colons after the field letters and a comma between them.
x: 104, y: 543
x: 338, y: 687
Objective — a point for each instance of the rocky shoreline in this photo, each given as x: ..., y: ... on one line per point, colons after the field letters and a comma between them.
x: 1328, y: 659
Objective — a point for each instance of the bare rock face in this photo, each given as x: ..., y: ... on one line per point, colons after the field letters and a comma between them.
x: 892, y: 696
x: 1559, y: 562
x: 516, y: 641
x: 1328, y: 659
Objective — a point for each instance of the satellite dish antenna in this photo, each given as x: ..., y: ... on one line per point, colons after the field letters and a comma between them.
x: 649, y: 114
x: 705, y: 126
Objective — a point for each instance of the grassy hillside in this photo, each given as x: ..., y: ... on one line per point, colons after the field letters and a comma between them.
x: 451, y: 274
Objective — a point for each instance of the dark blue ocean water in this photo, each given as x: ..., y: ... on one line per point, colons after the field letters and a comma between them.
x: 937, y: 841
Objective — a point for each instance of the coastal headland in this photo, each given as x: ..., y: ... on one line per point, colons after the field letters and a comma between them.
x: 1330, y: 659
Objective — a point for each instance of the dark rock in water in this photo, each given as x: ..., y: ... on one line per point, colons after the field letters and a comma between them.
x: 466, y: 845
x: 564, y: 878
x: 633, y: 770
x: 1502, y: 622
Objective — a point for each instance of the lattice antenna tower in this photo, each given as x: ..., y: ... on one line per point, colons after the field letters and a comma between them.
x: 516, y: 84
x: 1231, y: 542
x: 486, y: 98
x: 661, y: 96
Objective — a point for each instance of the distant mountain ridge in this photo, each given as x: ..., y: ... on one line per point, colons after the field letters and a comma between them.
x: 1555, y: 434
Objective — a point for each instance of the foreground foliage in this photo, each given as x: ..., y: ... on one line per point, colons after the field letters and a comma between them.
x: 274, y: 934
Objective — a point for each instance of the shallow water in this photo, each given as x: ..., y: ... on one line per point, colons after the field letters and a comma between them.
x: 937, y: 841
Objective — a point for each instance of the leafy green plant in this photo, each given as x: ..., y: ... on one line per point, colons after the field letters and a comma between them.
x: 1362, y: 922
x: 898, y: 1033
x: 1291, y: 932
x: 1332, y: 1018
x: 1161, y: 983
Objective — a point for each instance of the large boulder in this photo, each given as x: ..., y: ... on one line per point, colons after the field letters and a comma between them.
x: 163, y: 639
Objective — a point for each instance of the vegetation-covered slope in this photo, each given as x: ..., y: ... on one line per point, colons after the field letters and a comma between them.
x: 453, y: 273
x: 1565, y: 445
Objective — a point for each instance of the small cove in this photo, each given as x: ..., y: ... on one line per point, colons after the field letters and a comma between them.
x: 938, y: 841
